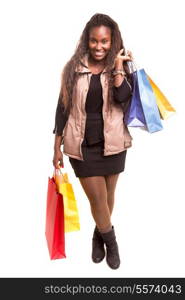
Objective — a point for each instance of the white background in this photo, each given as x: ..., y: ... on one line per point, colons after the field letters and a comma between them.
x: 37, y: 38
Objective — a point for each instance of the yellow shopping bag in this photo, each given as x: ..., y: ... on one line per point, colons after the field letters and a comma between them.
x: 71, y: 215
x: 165, y: 108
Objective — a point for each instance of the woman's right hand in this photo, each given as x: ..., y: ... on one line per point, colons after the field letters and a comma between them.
x: 58, y: 159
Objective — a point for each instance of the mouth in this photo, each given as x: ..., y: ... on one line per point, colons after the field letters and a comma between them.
x: 99, y: 54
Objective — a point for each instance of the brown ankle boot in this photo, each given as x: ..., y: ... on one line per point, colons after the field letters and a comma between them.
x: 98, y: 250
x: 112, y: 253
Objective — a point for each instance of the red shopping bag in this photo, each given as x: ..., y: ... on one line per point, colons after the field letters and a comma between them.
x: 54, y: 230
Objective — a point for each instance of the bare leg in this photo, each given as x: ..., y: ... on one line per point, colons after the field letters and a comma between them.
x: 96, y: 190
x: 111, y: 181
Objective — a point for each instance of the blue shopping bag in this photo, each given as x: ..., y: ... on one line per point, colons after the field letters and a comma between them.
x: 148, y: 101
x: 134, y: 115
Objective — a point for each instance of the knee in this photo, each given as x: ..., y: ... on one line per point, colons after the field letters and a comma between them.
x: 98, y: 201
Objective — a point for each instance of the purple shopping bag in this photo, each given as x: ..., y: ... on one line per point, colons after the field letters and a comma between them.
x: 134, y: 116
x: 143, y: 95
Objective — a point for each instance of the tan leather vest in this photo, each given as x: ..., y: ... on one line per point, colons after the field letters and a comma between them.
x: 115, y: 131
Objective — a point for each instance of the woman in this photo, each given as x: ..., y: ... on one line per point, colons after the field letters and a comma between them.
x: 89, y: 123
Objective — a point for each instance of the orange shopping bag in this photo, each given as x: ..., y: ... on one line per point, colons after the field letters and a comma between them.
x: 165, y: 108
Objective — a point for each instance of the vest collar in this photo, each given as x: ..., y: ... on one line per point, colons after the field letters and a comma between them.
x: 83, y: 66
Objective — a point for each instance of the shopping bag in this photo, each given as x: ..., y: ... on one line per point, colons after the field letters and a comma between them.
x: 134, y: 116
x: 148, y: 101
x: 54, y: 228
x: 71, y: 215
x: 165, y: 108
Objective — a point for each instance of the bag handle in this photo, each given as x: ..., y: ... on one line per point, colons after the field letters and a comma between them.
x: 59, y: 173
x: 132, y: 66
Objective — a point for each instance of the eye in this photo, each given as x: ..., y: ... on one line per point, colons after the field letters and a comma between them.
x: 92, y: 40
x: 104, y: 41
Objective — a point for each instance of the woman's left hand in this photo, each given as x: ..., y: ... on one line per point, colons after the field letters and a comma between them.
x: 121, y: 58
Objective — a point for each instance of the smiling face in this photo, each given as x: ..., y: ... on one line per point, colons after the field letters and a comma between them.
x: 99, y: 42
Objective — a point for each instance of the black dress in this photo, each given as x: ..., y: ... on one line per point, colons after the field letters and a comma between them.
x: 95, y: 163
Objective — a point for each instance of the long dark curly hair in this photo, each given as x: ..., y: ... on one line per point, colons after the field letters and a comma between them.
x: 69, y: 76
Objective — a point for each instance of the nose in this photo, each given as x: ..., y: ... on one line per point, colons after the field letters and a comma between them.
x: 98, y: 46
